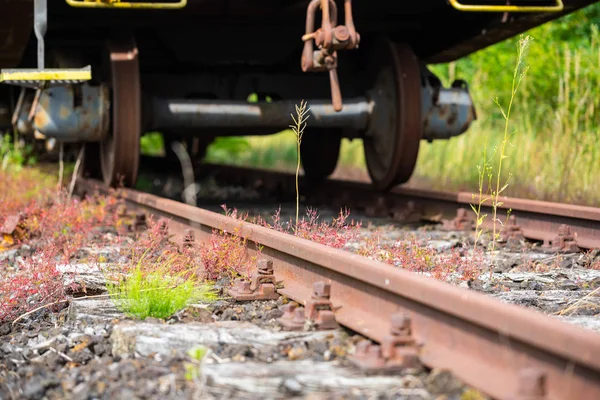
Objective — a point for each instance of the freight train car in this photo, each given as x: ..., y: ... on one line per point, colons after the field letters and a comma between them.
x: 104, y: 72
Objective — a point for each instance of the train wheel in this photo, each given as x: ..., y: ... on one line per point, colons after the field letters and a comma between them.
x: 319, y: 153
x: 120, y: 150
x: 391, y: 144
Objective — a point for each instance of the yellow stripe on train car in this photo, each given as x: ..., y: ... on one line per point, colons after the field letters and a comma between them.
x: 559, y: 6
x: 15, y: 75
x: 124, y: 4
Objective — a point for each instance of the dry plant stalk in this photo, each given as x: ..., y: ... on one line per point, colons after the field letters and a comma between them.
x: 189, y: 191
x: 298, y: 128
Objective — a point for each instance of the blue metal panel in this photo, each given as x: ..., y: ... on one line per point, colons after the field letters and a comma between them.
x: 73, y: 113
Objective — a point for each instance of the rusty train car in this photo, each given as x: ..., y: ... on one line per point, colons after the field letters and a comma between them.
x: 104, y: 72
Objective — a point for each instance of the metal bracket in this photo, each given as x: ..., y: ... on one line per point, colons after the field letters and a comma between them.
x: 261, y: 286
x: 318, y: 311
x: 397, y: 351
x: 329, y: 38
x: 565, y: 241
x: 511, y: 233
x: 507, y: 8
x: 125, y: 4
x: 461, y: 222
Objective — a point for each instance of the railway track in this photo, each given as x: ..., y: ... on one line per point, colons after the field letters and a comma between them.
x: 563, y: 227
x: 507, y: 351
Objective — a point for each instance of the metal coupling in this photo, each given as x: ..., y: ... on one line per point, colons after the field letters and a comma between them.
x: 447, y: 112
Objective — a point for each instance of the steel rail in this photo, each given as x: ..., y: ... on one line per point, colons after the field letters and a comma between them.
x: 538, y: 220
x: 507, y: 351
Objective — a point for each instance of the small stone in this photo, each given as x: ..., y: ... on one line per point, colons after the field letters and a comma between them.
x: 7, y: 348
x: 25, y: 250
x: 535, y: 285
x: 567, y: 285
x: 80, y: 392
x: 295, y: 353
x: 443, y: 382
x: 291, y: 386
x: 8, y: 255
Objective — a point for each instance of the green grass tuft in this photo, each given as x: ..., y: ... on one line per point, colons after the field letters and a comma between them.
x: 154, y: 291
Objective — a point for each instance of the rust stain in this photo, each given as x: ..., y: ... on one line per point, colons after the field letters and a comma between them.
x: 41, y: 118
x: 64, y: 112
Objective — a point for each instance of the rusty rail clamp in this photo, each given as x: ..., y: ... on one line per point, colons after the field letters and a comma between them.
x: 329, y: 38
x: 140, y: 223
x: 397, y: 351
x: 511, y: 233
x: 293, y: 318
x: 188, y: 239
x: 261, y: 286
x: 461, y: 222
x: 380, y: 208
x: 408, y: 213
x: 564, y: 242
x: 318, y: 311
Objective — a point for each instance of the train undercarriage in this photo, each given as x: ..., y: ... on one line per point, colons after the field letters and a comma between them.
x: 187, y: 73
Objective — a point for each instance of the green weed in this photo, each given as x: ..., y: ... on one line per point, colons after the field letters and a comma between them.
x: 14, y: 156
x: 155, y: 291
x: 495, y: 186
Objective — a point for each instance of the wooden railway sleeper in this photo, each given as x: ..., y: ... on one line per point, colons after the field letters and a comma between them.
x: 329, y: 39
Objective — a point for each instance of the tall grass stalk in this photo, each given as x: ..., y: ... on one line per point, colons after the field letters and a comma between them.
x: 298, y: 129
x: 519, y: 73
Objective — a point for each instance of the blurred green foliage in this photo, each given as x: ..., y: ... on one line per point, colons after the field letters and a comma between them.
x: 14, y: 155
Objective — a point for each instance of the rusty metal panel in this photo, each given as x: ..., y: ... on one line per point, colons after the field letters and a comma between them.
x: 73, y: 113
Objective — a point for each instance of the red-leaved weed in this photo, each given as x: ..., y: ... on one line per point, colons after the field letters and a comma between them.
x: 336, y: 233
x: 55, y: 227
x: 413, y: 256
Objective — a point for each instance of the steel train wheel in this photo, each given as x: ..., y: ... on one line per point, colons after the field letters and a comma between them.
x: 120, y: 150
x: 319, y: 153
x: 391, y: 143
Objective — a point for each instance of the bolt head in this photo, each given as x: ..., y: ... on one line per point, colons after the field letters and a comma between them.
x: 322, y: 289
x: 265, y: 267
x: 400, y: 324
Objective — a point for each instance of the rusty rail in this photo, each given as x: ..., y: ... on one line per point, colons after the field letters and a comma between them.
x: 564, y: 226
x: 507, y: 351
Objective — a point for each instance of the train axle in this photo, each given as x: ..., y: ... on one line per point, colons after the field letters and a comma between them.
x: 82, y: 113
